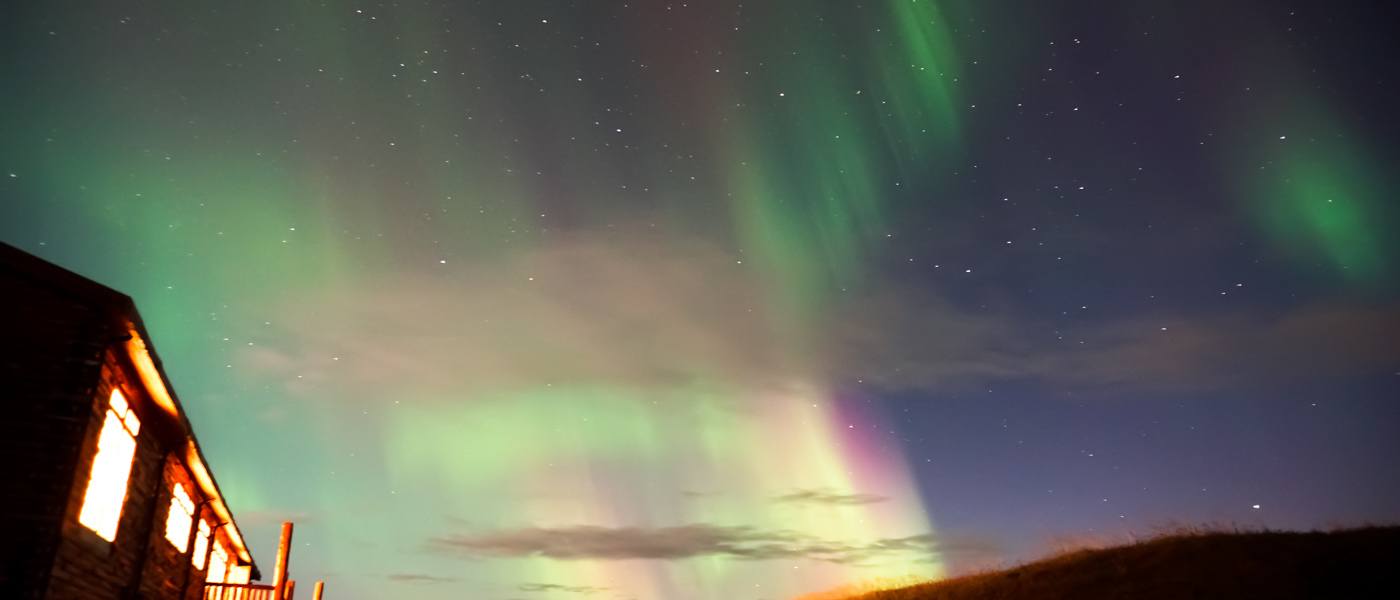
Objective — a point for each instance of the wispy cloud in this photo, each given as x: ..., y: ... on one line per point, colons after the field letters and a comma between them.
x: 418, y: 578
x: 596, y: 308
x: 906, y: 340
x: 580, y: 309
x: 690, y: 541
x: 585, y: 590
x: 829, y: 498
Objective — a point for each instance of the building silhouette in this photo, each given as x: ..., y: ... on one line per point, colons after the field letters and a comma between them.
x: 107, y: 493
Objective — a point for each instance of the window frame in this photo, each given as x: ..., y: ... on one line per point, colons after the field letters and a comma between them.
x: 108, y: 483
x: 182, y: 508
x: 216, y: 549
x: 200, y: 557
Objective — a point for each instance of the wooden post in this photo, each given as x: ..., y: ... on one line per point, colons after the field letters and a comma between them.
x: 318, y: 590
x: 291, y: 589
x: 279, y: 576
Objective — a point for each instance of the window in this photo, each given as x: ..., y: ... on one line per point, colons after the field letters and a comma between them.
x: 218, y: 564
x: 111, y: 468
x: 201, y: 545
x: 239, y: 573
x: 177, y: 522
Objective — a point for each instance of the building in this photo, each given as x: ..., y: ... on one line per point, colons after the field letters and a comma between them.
x: 106, y: 493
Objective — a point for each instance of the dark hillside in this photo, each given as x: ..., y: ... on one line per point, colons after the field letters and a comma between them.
x: 1358, y: 563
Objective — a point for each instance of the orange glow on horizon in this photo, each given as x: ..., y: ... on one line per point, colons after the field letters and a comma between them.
x: 856, y: 590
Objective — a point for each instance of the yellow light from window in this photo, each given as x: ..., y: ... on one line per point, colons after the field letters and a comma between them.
x: 201, y: 545
x: 177, y: 522
x: 111, y: 469
x: 239, y: 573
x: 218, y: 564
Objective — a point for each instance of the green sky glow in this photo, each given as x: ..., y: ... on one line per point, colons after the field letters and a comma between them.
x: 556, y: 358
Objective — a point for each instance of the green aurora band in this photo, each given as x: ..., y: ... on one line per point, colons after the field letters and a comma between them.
x: 1318, y: 196
x: 808, y: 187
x: 256, y: 254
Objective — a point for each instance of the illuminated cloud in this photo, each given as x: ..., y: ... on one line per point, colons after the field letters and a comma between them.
x: 688, y: 541
x: 585, y: 590
x: 927, y: 343
x: 419, y: 578
x: 605, y: 308
x: 830, y: 498
x: 630, y: 310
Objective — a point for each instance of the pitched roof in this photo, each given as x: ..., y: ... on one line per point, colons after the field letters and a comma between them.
x: 126, y: 322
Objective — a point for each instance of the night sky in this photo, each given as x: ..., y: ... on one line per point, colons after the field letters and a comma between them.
x: 715, y: 301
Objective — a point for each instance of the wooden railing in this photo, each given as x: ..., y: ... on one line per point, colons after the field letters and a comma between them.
x: 238, y: 591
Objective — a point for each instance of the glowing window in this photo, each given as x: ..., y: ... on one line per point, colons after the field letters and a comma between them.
x: 181, y: 516
x: 218, y: 564
x: 201, y: 545
x: 111, y: 468
x: 239, y: 573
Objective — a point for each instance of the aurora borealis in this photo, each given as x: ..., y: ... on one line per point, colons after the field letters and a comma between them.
x: 716, y: 300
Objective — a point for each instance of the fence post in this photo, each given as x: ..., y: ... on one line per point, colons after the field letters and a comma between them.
x: 279, y: 576
x: 318, y: 590
x: 291, y: 589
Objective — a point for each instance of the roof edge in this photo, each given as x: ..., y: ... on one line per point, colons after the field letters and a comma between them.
x: 126, y: 318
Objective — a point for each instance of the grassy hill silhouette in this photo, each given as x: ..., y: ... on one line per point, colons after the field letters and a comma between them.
x: 1355, y: 563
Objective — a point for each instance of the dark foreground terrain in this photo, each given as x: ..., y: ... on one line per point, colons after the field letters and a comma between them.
x: 1356, y: 563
